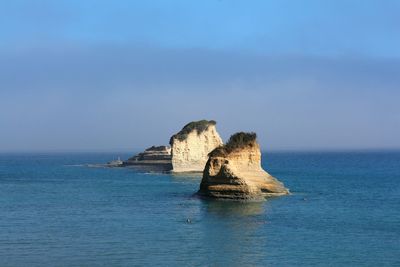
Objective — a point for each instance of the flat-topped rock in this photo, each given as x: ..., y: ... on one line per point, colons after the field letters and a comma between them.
x: 153, y: 153
x: 233, y: 171
x: 155, y: 158
x: 191, y: 145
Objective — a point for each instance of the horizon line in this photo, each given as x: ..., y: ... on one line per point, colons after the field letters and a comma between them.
x: 134, y: 151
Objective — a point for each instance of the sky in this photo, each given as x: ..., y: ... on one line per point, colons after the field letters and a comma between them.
x: 122, y: 75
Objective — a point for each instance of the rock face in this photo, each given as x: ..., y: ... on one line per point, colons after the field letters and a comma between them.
x: 190, y: 147
x: 155, y: 158
x: 234, y: 171
x: 153, y: 153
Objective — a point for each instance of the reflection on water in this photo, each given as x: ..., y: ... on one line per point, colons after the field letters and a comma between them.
x: 233, y: 229
x: 233, y: 208
x: 187, y: 177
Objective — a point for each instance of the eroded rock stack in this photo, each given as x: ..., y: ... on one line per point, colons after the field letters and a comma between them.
x: 153, y: 153
x: 233, y: 171
x: 155, y: 158
x: 190, y: 146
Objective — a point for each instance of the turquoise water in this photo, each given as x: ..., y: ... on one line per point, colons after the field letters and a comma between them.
x: 344, y: 211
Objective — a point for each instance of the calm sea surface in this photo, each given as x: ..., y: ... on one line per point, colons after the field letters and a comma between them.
x: 344, y: 211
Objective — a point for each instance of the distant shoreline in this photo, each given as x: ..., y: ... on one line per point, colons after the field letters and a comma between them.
x: 122, y: 152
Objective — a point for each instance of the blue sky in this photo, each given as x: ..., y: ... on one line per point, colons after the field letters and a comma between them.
x: 331, y: 27
x: 124, y: 75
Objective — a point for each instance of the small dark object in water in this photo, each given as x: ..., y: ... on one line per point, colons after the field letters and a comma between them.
x: 188, y: 221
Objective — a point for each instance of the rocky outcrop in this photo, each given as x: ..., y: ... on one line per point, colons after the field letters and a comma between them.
x: 233, y: 171
x: 115, y: 163
x: 155, y: 158
x: 153, y: 153
x: 190, y: 146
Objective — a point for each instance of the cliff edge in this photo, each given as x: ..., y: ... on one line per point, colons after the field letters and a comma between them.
x: 233, y: 171
x: 190, y: 146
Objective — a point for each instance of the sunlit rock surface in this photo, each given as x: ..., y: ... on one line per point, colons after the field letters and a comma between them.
x: 190, y: 146
x: 233, y: 171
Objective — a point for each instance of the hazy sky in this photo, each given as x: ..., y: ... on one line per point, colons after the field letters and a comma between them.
x: 96, y: 75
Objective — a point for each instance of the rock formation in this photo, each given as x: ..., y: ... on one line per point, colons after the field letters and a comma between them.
x: 233, y: 171
x: 190, y: 147
x: 115, y: 163
x: 153, y: 153
x: 155, y: 158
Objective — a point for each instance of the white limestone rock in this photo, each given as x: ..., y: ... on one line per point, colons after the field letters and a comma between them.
x: 190, y: 146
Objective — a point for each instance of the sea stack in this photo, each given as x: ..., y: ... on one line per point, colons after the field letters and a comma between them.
x: 233, y: 171
x: 155, y: 158
x: 190, y: 147
x: 153, y: 153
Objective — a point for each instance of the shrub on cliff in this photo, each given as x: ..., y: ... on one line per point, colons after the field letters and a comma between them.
x: 236, y: 141
x: 199, y: 126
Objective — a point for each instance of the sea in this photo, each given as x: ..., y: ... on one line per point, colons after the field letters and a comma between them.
x: 344, y: 210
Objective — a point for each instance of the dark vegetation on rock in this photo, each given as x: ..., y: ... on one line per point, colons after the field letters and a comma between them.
x: 236, y: 141
x: 156, y: 148
x: 152, y: 153
x: 199, y: 126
